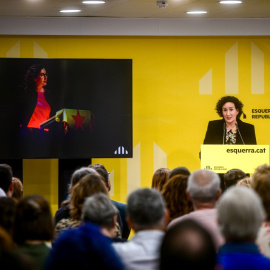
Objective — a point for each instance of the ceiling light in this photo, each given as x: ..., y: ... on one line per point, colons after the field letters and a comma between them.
x: 93, y: 2
x: 230, y: 2
x: 70, y: 10
x: 197, y: 12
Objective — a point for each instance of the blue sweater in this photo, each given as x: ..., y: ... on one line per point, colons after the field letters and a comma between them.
x: 238, y: 256
x: 83, y: 248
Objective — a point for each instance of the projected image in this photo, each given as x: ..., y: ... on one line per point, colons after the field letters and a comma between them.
x: 65, y: 108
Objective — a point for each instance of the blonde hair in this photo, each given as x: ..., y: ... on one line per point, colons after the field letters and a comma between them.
x: 244, y: 182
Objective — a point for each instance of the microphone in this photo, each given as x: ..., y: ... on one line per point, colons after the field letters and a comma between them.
x: 239, y: 133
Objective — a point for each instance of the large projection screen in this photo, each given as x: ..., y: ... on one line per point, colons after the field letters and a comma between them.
x: 65, y: 108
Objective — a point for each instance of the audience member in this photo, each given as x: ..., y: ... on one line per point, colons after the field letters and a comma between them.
x: 244, y: 182
x: 17, y: 193
x: 146, y: 215
x: 240, y: 214
x: 179, y: 170
x: 261, y: 184
x: 33, y: 227
x: 174, y: 193
x: 203, y: 189
x: 7, y: 214
x: 64, y: 211
x: 160, y: 178
x: 121, y: 219
x: 98, y: 209
x: 10, y: 259
x: 187, y: 245
x: 232, y: 176
x: 87, y: 186
x: 6, y: 179
x: 83, y: 248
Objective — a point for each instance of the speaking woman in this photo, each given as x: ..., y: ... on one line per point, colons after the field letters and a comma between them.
x: 230, y: 129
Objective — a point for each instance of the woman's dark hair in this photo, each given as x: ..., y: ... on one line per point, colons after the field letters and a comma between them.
x: 33, y: 220
x: 30, y: 76
x: 160, y: 178
x: 7, y: 213
x: 174, y: 193
x: 179, y: 170
x: 237, y: 103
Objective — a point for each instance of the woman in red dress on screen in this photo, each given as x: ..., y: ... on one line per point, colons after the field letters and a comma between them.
x: 36, y: 79
x: 230, y: 129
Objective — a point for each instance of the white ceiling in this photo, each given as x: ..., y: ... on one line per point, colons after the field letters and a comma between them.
x: 135, y: 9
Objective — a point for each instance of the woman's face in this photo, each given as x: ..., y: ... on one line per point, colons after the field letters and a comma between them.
x: 42, y: 77
x: 229, y: 112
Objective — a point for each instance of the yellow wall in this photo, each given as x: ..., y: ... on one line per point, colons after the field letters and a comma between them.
x: 176, y: 84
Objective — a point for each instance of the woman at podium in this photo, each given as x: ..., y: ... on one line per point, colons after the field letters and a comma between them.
x: 230, y: 129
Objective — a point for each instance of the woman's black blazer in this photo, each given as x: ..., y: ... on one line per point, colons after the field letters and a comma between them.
x: 215, y: 133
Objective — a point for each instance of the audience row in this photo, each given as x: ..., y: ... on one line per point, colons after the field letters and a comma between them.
x: 185, y: 220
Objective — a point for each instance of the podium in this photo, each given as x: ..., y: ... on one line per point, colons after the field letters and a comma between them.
x: 72, y: 119
x: 222, y: 158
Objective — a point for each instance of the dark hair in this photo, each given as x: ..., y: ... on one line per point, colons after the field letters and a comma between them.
x: 179, y: 170
x: 174, y: 193
x: 101, y: 171
x: 160, y: 178
x: 30, y: 76
x: 7, y: 213
x: 179, y: 250
x: 33, y: 220
x: 232, y: 176
x: 237, y: 103
x: 5, y: 176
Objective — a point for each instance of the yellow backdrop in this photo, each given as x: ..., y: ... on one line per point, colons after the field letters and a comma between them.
x: 176, y: 84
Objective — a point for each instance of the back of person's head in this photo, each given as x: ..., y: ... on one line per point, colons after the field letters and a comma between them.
x: 89, y: 185
x: 244, y: 182
x: 179, y: 170
x: 17, y: 192
x: 232, y: 176
x: 203, y: 186
x: 146, y: 208
x: 102, y: 171
x: 99, y: 209
x: 33, y: 220
x: 83, y: 248
x: 240, y: 214
x: 160, y: 178
x: 174, y: 193
x: 261, y: 184
x: 7, y: 213
x: 187, y: 245
x: 79, y: 174
x: 5, y: 177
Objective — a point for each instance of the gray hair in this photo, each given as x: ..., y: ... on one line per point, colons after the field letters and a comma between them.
x: 146, y: 208
x: 79, y: 174
x: 99, y: 209
x: 240, y: 214
x: 203, y: 185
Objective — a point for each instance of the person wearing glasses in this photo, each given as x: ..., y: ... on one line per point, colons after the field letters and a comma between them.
x: 36, y: 82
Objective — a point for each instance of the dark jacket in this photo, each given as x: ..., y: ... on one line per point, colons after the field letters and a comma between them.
x: 216, y: 133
